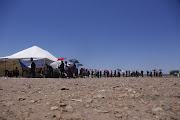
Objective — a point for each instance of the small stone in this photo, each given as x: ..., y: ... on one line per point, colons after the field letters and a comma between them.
x: 10, y: 103
x: 132, y: 95
x: 89, y: 101
x: 21, y: 99
x: 117, y: 111
x: 134, y: 92
x: 101, y: 111
x: 69, y: 107
x: 100, y: 96
x: 157, y: 109
x: 166, y: 107
x: 54, y: 108
x: 87, y: 105
x: 129, y: 90
x: 32, y: 101
x: 62, y: 104
x: 118, y: 115
x: 64, y: 88
x: 126, y: 89
x: 122, y: 95
x: 125, y: 107
x: 78, y: 100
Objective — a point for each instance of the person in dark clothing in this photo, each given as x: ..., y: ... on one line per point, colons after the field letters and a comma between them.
x: 76, y: 73
x: 151, y: 73
x: 114, y: 73
x: 81, y: 73
x: 62, y: 69
x: 160, y: 74
x: 154, y: 73
x: 119, y: 74
x: 147, y: 73
x: 16, y: 72
x: 32, y: 70
x: 105, y: 74
x: 97, y: 74
x: 100, y: 74
x: 88, y: 73
x: 136, y: 73
x: 50, y: 69
x: 126, y: 73
x: 142, y: 73
x: 92, y: 73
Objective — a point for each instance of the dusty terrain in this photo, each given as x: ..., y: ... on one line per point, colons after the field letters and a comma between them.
x: 90, y: 99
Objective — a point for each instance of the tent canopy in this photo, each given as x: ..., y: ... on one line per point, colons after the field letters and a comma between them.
x: 32, y: 52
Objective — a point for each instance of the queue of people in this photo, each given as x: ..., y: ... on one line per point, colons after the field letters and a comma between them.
x: 98, y: 73
x: 71, y: 71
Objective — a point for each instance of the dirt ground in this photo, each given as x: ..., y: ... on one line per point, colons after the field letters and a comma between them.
x: 90, y: 99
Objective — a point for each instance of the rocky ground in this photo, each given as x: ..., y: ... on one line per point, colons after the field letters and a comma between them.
x: 90, y: 99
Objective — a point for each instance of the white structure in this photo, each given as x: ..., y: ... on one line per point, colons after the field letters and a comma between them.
x: 40, y: 56
x: 32, y: 52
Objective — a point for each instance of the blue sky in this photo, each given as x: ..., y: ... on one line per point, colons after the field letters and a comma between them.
x: 106, y: 34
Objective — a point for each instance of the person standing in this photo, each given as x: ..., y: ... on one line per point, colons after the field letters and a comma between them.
x: 50, y: 71
x: 151, y: 73
x: 62, y: 69
x: 119, y: 74
x: 111, y: 73
x: 95, y: 73
x: 92, y: 74
x: 160, y: 74
x: 123, y: 72
x: 98, y: 73
x: 32, y: 70
x: 16, y: 72
x: 156, y: 73
x: 142, y: 73
x: 114, y: 73
x: 136, y: 73
x: 147, y: 73
x: 105, y: 74
x: 88, y: 73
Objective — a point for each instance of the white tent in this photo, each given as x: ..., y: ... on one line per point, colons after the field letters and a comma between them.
x: 32, y: 52
x: 39, y: 55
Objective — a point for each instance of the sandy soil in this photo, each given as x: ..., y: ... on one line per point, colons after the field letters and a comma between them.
x: 90, y: 99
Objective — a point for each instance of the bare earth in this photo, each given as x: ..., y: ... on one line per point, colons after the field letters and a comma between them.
x: 90, y: 99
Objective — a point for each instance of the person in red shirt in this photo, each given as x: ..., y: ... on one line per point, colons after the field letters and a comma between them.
x: 114, y: 73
